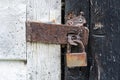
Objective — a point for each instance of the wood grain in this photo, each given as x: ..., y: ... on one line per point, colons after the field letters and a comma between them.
x: 44, y: 60
x: 105, y: 40
x: 12, y: 32
x: 12, y: 70
x: 12, y: 40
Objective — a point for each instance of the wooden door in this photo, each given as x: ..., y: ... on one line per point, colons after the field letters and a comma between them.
x: 43, y: 60
x: 103, y: 49
x: 105, y: 39
x: 21, y: 60
x: 12, y: 40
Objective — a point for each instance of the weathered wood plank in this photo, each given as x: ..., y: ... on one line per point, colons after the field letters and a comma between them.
x: 12, y: 70
x: 44, y: 59
x: 12, y: 40
x: 76, y: 6
x: 12, y: 29
x: 105, y: 40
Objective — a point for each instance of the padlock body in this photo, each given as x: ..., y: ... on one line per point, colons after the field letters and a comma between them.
x: 76, y: 59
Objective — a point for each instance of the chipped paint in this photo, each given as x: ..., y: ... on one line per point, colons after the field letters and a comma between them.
x: 98, y: 25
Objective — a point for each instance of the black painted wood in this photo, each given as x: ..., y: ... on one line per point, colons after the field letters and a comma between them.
x: 105, y: 39
x: 76, y: 6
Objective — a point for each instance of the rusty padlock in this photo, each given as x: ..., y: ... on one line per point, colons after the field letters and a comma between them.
x: 76, y: 59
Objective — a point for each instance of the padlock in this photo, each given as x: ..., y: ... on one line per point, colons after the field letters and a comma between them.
x: 76, y: 59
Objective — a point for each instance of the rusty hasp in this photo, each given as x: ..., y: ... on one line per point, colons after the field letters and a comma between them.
x: 52, y: 33
x: 78, y: 59
x: 78, y: 21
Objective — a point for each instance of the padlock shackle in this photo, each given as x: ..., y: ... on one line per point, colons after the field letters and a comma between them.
x: 82, y: 46
x: 79, y: 44
x: 68, y: 48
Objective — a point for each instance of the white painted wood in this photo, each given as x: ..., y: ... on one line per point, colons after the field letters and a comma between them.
x: 12, y: 29
x: 44, y: 60
x: 12, y: 70
x: 12, y: 40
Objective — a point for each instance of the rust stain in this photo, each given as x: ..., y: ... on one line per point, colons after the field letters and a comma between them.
x: 52, y: 33
x: 76, y: 59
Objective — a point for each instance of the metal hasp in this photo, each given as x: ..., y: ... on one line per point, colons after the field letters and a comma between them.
x: 53, y: 33
x: 78, y: 59
x: 72, y: 33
